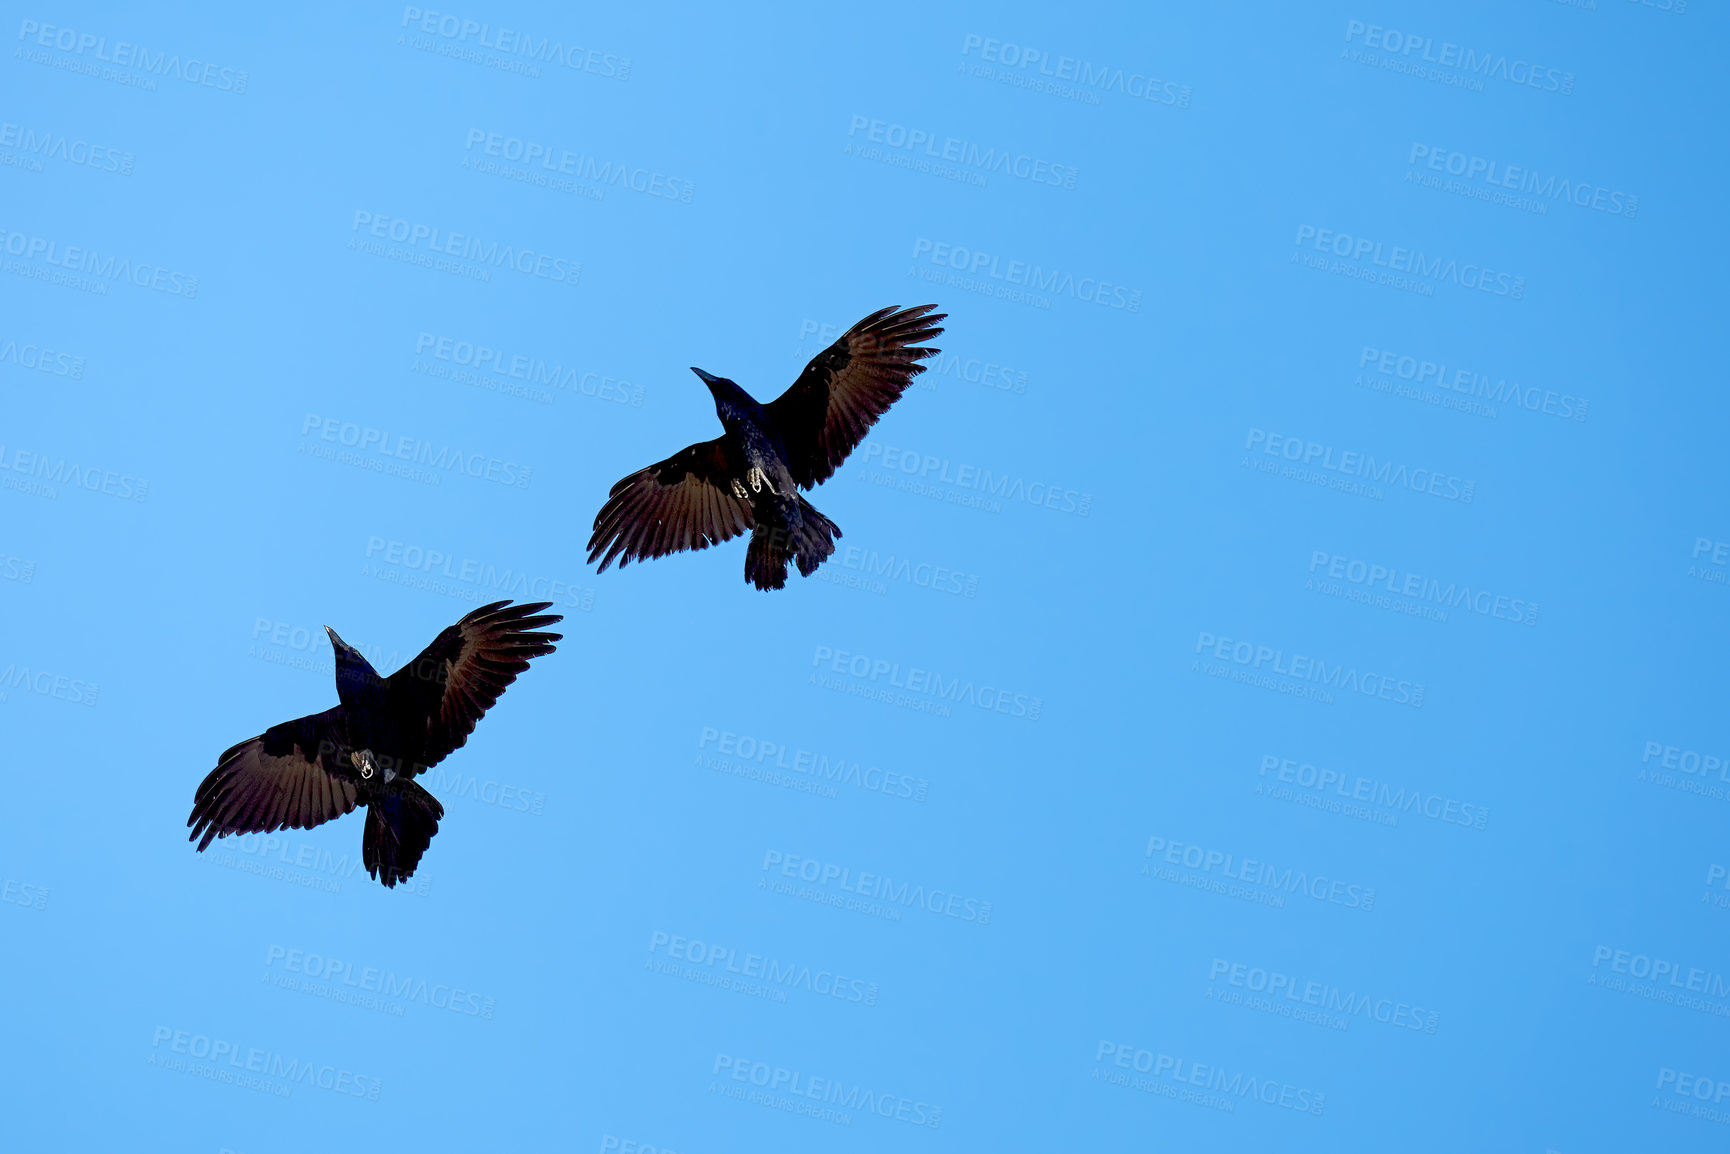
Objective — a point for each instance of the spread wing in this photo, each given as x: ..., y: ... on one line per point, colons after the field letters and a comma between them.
x: 436, y: 699
x: 684, y: 502
x: 847, y: 386
x: 294, y: 775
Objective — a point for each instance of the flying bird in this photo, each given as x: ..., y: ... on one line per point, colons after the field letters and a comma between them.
x: 749, y: 477
x: 368, y: 750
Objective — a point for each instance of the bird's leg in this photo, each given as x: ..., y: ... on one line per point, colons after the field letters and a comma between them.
x: 759, y: 480
x: 367, y: 764
x: 739, y: 491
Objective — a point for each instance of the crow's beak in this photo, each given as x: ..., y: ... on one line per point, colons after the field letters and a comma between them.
x: 334, y: 639
x: 707, y: 378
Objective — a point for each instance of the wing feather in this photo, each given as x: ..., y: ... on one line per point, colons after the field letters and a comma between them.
x: 440, y: 696
x: 684, y: 502
x: 848, y: 386
x: 291, y: 776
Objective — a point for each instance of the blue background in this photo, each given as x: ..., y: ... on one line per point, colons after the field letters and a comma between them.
x: 171, y: 626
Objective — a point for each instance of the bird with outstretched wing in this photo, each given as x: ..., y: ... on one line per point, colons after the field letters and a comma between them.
x: 369, y: 749
x: 748, y: 479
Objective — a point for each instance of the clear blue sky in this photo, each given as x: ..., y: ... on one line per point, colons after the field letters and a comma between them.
x: 1267, y: 695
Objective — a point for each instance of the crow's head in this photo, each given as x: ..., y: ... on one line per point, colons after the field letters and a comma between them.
x: 730, y: 400
x: 719, y: 386
x: 353, y: 672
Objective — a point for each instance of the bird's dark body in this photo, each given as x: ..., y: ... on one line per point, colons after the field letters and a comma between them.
x: 367, y: 748
x: 370, y: 748
x: 750, y: 477
x: 762, y: 445
x: 371, y: 723
x: 777, y: 510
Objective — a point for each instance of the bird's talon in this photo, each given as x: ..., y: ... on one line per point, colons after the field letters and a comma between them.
x: 739, y: 490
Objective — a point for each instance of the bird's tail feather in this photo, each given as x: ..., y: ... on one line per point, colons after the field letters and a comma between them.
x: 399, y: 827
x: 766, y: 556
x: 814, y: 539
x: 808, y: 539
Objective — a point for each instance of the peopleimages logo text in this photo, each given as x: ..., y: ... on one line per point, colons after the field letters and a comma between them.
x: 857, y: 1096
x: 1004, y: 162
x: 391, y: 446
x: 761, y: 967
x: 1356, y: 464
x: 125, y: 55
x: 483, y: 358
x: 564, y: 162
x: 46, y: 683
x: 1439, y: 375
x: 504, y: 582
x: 973, y: 262
x: 41, y: 358
x: 62, y: 471
x: 466, y: 247
x: 1403, y: 583
x: 1207, y: 1076
x: 51, y: 146
x: 1483, y: 65
x: 1516, y: 178
x: 1406, y: 260
x: 956, y: 690
x: 1693, y: 1085
x: 773, y: 755
x: 271, y: 1064
x: 1369, y: 791
x: 1301, y: 667
x: 1333, y: 999
x: 90, y: 262
x: 1691, y: 979
x: 974, y: 478
x: 372, y: 980
x: 1087, y: 75
x: 1253, y: 872
x: 512, y: 42
x: 877, y: 887
x: 1689, y: 761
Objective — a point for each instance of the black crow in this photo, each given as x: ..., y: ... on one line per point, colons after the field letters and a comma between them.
x: 368, y: 750
x: 750, y: 476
